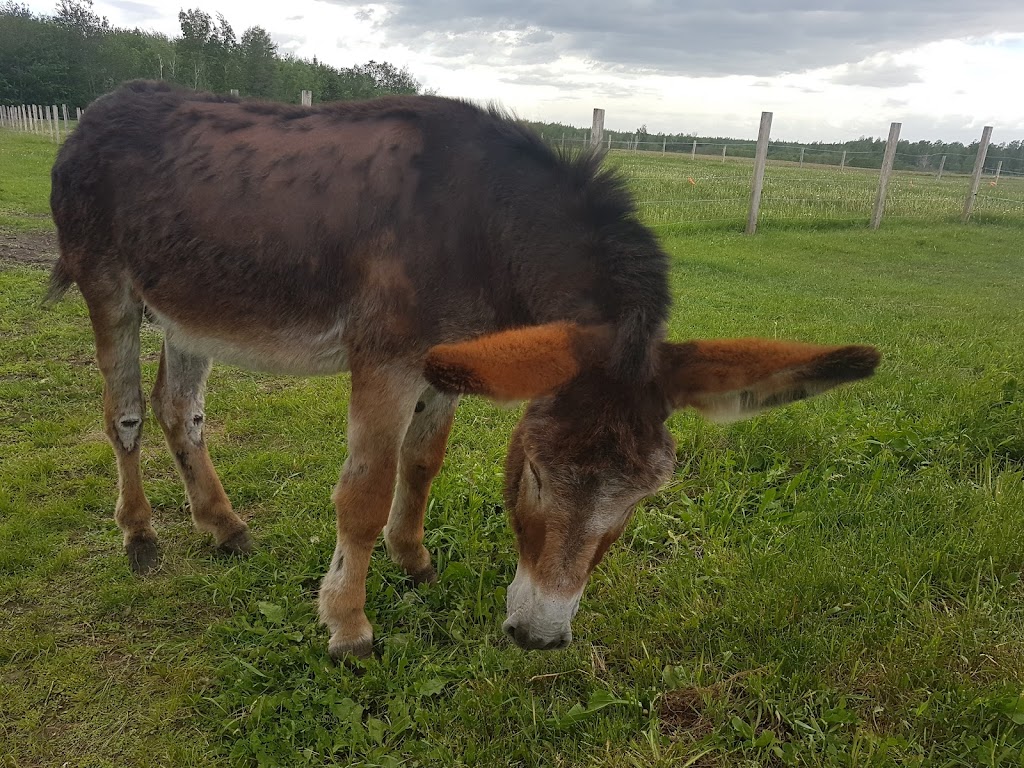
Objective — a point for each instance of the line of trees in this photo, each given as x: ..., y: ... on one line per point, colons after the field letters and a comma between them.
x: 865, y: 152
x: 76, y: 55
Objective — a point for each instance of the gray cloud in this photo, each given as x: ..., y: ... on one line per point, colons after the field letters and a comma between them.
x: 698, y: 38
x: 878, y: 73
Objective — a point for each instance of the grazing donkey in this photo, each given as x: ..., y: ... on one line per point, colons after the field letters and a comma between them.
x: 433, y: 249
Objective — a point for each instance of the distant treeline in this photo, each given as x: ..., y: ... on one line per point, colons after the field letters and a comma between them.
x: 75, y: 55
x: 864, y: 152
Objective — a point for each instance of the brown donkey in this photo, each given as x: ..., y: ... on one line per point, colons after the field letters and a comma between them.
x: 431, y: 248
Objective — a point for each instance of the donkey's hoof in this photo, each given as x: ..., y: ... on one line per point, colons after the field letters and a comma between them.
x: 341, y: 649
x: 424, y: 575
x: 240, y: 544
x: 143, y: 555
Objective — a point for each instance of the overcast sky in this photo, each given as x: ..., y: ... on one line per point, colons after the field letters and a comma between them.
x: 827, y: 70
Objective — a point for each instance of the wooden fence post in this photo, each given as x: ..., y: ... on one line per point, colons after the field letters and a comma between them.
x: 64, y: 109
x: 693, y: 151
x: 234, y: 92
x: 724, y: 147
x: 999, y: 170
x: 307, y: 98
x: 979, y: 164
x: 78, y: 113
x: 56, y: 122
x: 842, y: 163
x: 597, y: 129
x: 883, y: 178
x: 760, y: 161
x: 942, y: 164
x: 664, y: 143
x: 801, y: 157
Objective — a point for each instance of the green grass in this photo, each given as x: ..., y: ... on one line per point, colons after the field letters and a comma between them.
x: 835, y: 583
x: 672, y: 189
x: 25, y: 161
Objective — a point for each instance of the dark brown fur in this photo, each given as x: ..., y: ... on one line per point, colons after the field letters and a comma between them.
x: 425, y: 219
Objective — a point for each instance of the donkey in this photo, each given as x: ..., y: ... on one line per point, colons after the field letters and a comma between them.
x: 433, y: 249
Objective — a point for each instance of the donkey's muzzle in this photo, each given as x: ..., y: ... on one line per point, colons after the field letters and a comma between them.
x: 521, y: 635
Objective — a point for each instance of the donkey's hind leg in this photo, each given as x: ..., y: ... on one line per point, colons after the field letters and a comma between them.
x: 116, y: 321
x: 178, y: 401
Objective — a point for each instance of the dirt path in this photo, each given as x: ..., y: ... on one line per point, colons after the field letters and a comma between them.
x: 38, y: 248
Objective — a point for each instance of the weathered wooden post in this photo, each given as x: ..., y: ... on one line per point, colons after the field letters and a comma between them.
x: 760, y: 161
x: 842, y: 163
x: 693, y: 150
x: 999, y: 170
x: 801, y: 157
x: 234, y: 92
x: 307, y: 98
x: 597, y: 129
x: 883, y: 178
x: 942, y: 164
x: 979, y: 164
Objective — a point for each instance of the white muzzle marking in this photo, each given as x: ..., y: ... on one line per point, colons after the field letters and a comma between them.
x: 538, y: 620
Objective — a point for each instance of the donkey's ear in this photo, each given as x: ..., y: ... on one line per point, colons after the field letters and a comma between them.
x: 731, y: 379
x: 520, y: 364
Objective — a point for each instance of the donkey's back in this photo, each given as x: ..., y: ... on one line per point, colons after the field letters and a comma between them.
x: 273, y: 222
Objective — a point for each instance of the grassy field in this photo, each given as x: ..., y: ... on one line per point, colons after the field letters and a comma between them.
x: 703, y: 193
x: 837, y: 583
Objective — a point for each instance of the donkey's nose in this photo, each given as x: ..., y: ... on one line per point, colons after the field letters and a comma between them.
x: 522, y: 637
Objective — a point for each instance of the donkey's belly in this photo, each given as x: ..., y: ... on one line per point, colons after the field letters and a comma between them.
x: 296, y: 350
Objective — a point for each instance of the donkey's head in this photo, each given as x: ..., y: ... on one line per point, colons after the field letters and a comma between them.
x: 590, y: 446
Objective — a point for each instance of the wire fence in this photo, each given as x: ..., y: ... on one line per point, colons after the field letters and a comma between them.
x: 710, y: 184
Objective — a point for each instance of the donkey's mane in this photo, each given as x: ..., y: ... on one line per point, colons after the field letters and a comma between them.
x: 628, y: 255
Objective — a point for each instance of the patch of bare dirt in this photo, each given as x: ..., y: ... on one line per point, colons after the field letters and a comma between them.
x: 682, y: 715
x: 38, y: 248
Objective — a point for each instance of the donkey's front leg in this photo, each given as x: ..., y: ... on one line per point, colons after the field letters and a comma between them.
x: 382, y: 406
x: 422, y: 453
